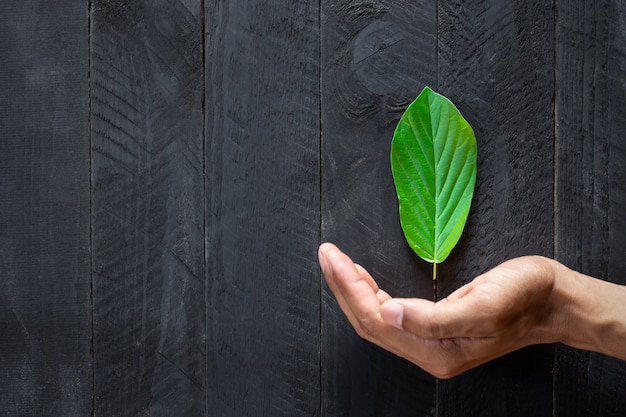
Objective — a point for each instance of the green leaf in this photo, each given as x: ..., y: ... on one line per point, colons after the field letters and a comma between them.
x: 433, y: 161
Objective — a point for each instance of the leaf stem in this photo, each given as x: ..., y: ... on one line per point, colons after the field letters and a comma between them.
x: 434, y: 271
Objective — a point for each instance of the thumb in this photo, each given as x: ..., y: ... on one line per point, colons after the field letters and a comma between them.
x: 427, y: 319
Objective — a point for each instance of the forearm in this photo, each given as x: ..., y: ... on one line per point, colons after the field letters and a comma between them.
x: 593, y: 313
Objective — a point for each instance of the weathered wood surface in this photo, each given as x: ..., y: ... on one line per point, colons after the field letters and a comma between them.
x: 262, y: 216
x: 374, y: 58
x: 45, y: 321
x: 590, y: 174
x: 495, y: 64
x: 147, y: 208
x: 168, y: 169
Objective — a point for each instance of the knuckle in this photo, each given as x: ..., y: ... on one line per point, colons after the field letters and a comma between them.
x: 432, y: 329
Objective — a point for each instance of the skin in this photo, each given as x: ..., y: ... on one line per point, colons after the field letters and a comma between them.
x: 524, y: 301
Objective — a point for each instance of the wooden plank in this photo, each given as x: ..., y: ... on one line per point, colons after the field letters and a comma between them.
x: 45, y: 319
x: 262, y: 219
x: 496, y: 64
x: 148, y: 202
x: 591, y: 230
x: 376, y: 58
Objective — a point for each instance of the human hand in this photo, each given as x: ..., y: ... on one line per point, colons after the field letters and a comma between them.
x: 507, y: 308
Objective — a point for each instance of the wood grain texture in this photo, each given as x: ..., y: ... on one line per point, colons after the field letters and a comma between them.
x: 376, y: 58
x: 222, y: 140
x: 262, y: 219
x: 45, y: 365
x: 147, y: 205
x: 591, y: 230
x: 496, y: 64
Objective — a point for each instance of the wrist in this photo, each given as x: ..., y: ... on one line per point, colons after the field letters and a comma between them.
x: 590, y: 313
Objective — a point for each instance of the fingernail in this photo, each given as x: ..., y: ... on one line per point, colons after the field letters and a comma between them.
x: 392, y: 313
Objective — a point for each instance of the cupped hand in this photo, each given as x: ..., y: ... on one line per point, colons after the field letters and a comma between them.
x: 505, y: 309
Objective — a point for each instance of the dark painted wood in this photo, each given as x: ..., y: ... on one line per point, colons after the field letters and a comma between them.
x: 262, y: 217
x: 227, y: 142
x: 45, y: 319
x: 591, y: 196
x: 147, y: 208
x: 376, y: 58
x: 496, y: 64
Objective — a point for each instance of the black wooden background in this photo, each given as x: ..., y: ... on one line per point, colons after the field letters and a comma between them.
x: 169, y: 168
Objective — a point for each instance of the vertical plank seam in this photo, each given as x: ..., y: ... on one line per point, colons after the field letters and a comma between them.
x: 554, y: 176
x: 321, y: 196
x: 555, y: 131
x: 204, y: 203
x: 90, y: 179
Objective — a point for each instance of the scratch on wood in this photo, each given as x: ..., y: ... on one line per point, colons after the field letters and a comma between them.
x: 181, y: 370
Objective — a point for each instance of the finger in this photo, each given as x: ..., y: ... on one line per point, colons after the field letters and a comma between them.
x: 346, y: 279
x: 380, y: 294
x: 461, y: 318
x: 367, y: 277
x: 330, y: 280
x: 392, y: 313
x: 354, y: 290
